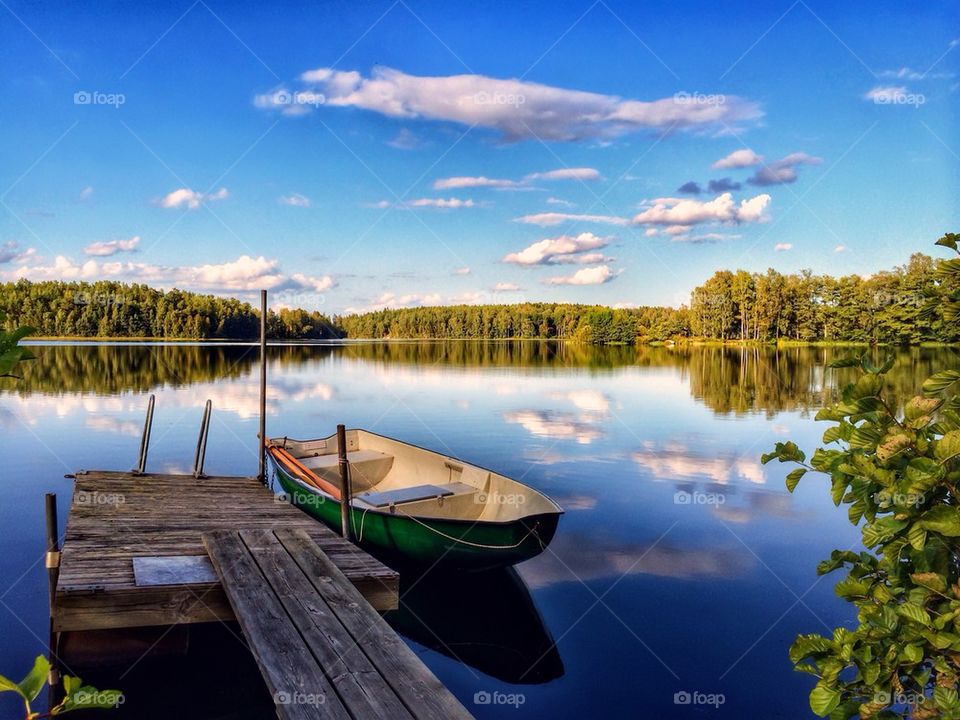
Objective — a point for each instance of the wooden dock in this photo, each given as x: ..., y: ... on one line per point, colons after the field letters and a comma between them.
x: 116, y: 517
x: 322, y: 650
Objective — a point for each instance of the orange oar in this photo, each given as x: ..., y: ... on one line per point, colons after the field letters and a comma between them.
x: 304, y: 473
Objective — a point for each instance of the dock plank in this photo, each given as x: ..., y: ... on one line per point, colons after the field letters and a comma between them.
x: 282, y: 587
x: 408, y: 676
x: 288, y: 667
x: 116, y: 516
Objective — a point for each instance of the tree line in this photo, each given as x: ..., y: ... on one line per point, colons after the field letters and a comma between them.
x: 107, y: 309
x: 887, y: 307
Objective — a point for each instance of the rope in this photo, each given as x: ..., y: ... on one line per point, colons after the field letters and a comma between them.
x: 532, y: 531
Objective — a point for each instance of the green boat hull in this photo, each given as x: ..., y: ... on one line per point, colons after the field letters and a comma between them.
x: 397, y: 538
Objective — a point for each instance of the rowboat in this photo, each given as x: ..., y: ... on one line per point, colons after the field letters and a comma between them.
x: 414, y: 505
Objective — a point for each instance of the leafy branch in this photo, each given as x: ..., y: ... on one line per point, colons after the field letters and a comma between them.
x: 898, y: 475
x: 77, y: 696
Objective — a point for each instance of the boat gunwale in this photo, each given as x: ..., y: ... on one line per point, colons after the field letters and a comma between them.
x: 422, y: 518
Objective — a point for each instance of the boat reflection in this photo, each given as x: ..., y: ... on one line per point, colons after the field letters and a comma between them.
x: 486, y: 620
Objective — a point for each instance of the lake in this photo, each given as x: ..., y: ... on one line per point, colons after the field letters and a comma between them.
x: 679, y: 575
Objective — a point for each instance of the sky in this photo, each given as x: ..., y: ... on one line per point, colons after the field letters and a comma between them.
x: 353, y: 156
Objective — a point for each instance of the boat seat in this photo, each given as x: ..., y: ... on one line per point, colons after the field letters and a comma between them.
x: 413, y: 494
x: 367, y: 467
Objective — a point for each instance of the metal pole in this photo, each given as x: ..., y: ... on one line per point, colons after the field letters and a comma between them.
x: 262, y: 475
x: 345, y: 490
x: 145, y: 438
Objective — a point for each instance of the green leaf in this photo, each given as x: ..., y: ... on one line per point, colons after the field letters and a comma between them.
x: 940, y: 382
x: 948, y: 446
x: 917, y: 536
x: 793, y: 477
x: 943, y: 519
x: 824, y: 699
x: 33, y: 683
x: 913, y: 653
x: 946, y: 698
x: 915, y: 613
x: 949, y: 240
x: 881, y: 530
x: 7, y: 685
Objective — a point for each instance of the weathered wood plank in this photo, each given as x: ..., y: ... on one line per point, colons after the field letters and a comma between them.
x: 363, y: 691
x: 288, y: 667
x: 413, y: 682
x: 115, y: 517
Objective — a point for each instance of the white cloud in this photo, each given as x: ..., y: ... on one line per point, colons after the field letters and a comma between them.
x: 441, y: 203
x: 783, y: 247
x: 86, y: 193
x: 112, y: 247
x: 461, y: 271
x: 404, y: 140
x: 241, y: 275
x: 190, y: 199
x: 390, y: 300
x: 587, y: 276
x: 456, y: 183
x: 506, y: 287
x: 564, y: 249
x: 515, y: 108
x: 783, y: 170
x: 738, y: 159
x: 580, y: 173
x: 295, y: 200
x: 560, y: 202
x: 704, y: 238
x: 687, y: 211
x: 481, y: 181
x: 840, y: 248
x: 10, y: 252
x: 554, y: 218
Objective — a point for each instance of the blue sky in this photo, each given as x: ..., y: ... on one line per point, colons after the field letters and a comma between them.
x: 349, y: 156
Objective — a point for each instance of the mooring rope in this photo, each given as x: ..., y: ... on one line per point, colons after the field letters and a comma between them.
x: 532, y: 531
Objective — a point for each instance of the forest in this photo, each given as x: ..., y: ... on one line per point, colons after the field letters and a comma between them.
x: 886, y: 307
x: 107, y: 309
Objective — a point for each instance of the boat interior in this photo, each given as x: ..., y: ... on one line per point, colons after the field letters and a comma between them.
x: 391, y: 476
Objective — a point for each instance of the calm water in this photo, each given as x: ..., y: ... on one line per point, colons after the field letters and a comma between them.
x: 681, y: 565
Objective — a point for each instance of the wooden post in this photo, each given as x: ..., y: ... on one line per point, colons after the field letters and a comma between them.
x: 262, y: 475
x: 53, y: 548
x: 345, y: 491
x: 55, y: 691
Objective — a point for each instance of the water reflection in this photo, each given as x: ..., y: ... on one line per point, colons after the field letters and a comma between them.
x: 727, y: 380
x: 613, y: 434
x: 486, y: 620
